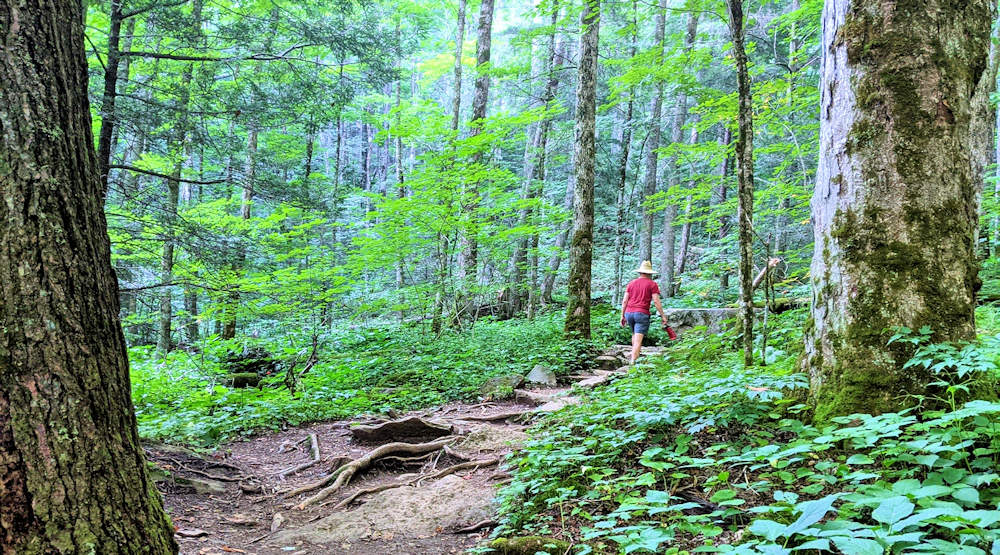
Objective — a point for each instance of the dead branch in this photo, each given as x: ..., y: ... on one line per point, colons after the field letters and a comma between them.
x: 346, y: 472
x: 314, y: 449
x: 489, y: 523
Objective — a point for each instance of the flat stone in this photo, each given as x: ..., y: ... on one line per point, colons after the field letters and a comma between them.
x: 450, y: 502
x: 201, y: 485
x: 558, y: 403
x: 595, y: 380
x: 541, y: 374
x: 608, y: 362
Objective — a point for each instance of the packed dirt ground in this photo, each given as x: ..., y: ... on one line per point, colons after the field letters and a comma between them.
x: 420, y: 483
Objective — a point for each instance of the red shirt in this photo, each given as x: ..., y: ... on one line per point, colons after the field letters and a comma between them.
x: 640, y: 293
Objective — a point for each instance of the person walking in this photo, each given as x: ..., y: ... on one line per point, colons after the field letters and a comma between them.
x: 639, y: 293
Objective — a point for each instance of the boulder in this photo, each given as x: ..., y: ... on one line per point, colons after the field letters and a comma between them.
x: 715, y: 320
x: 501, y: 387
x: 541, y: 374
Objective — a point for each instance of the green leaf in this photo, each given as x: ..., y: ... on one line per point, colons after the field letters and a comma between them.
x: 767, y: 529
x: 812, y: 512
x: 893, y: 510
x: 860, y: 458
x: 969, y: 495
x: 857, y: 546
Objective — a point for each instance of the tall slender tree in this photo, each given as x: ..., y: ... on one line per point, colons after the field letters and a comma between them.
x: 894, y: 209
x: 72, y: 474
x: 652, y: 144
x: 581, y: 248
x: 744, y: 165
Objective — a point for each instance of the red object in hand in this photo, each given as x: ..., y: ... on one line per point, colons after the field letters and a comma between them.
x: 671, y: 333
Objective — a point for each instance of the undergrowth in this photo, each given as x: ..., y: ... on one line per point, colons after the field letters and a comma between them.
x: 184, y: 397
x: 695, y: 454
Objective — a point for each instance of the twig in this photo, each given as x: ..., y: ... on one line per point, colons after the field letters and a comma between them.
x: 314, y: 449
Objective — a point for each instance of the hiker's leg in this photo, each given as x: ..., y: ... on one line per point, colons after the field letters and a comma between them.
x: 636, y: 346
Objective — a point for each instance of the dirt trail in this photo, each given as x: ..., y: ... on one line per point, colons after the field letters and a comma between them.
x: 243, y: 506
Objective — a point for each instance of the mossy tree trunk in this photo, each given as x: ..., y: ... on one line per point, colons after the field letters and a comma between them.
x: 581, y: 247
x: 72, y: 474
x: 894, y: 209
x: 744, y: 171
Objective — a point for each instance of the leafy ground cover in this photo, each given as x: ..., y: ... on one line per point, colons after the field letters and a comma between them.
x: 184, y: 397
x: 695, y: 454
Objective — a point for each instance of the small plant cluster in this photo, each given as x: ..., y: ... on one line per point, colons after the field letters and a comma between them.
x: 695, y: 454
x: 185, y: 397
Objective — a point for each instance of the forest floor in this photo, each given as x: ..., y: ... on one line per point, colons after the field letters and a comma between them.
x: 428, y: 489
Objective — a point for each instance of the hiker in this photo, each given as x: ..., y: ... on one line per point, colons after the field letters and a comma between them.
x: 635, y: 307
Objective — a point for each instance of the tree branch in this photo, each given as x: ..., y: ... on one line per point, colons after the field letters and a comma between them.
x: 140, y: 11
x: 165, y: 176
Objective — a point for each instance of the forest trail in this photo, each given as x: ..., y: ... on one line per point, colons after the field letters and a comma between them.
x: 434, y: 499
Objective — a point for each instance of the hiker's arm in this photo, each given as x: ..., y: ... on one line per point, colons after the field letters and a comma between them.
x: 659, y: 307
x: 624, y: 304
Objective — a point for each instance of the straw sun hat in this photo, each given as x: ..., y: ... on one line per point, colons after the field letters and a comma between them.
x: 646, y: 268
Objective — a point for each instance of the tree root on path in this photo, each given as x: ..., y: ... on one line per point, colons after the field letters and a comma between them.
x: 343, y: 475
x: 314, y: 448
x: 489, y: 523
x: 500, y: 416
x: 416, y: 481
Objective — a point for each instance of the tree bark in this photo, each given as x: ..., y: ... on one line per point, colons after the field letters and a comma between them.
x: 105, y: 145
x: 652, y: 146
x: 744, y: 165
x: 72, y: 474
x: 903, y: 124
x: 582, y: 243
x: 456, y: 101
x: 469, y: 259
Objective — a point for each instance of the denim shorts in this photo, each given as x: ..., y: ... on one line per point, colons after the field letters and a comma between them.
x: 638, y: 321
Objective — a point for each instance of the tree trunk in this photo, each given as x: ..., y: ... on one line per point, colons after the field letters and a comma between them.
x: 582, y: 244
x: 652, y: 146
x: 668, y: 280
x: 719, y: 198
x: 72, y: 474
x: 626, y: 142
x: 686, y: 226
x: 104, y: 142
x: 903, y: 121
x: 549, y: 281
x: 744, y: 165
x: 469, y: 259
x: 456, y: 101
x: 176, y: 147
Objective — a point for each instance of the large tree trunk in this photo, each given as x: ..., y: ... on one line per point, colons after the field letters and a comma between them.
x: 903, y: 128
x: 469, y: 259
x: 582, y: 243
x: 652, y: 147
x: 744, y: 164
x: 72, y: 474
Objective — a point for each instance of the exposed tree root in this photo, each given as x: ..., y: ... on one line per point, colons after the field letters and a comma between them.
x: 513, y: 415
x: 343, y: 475
x: 314, y: 448
x: 489, y: 523
x: 416, y: 481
